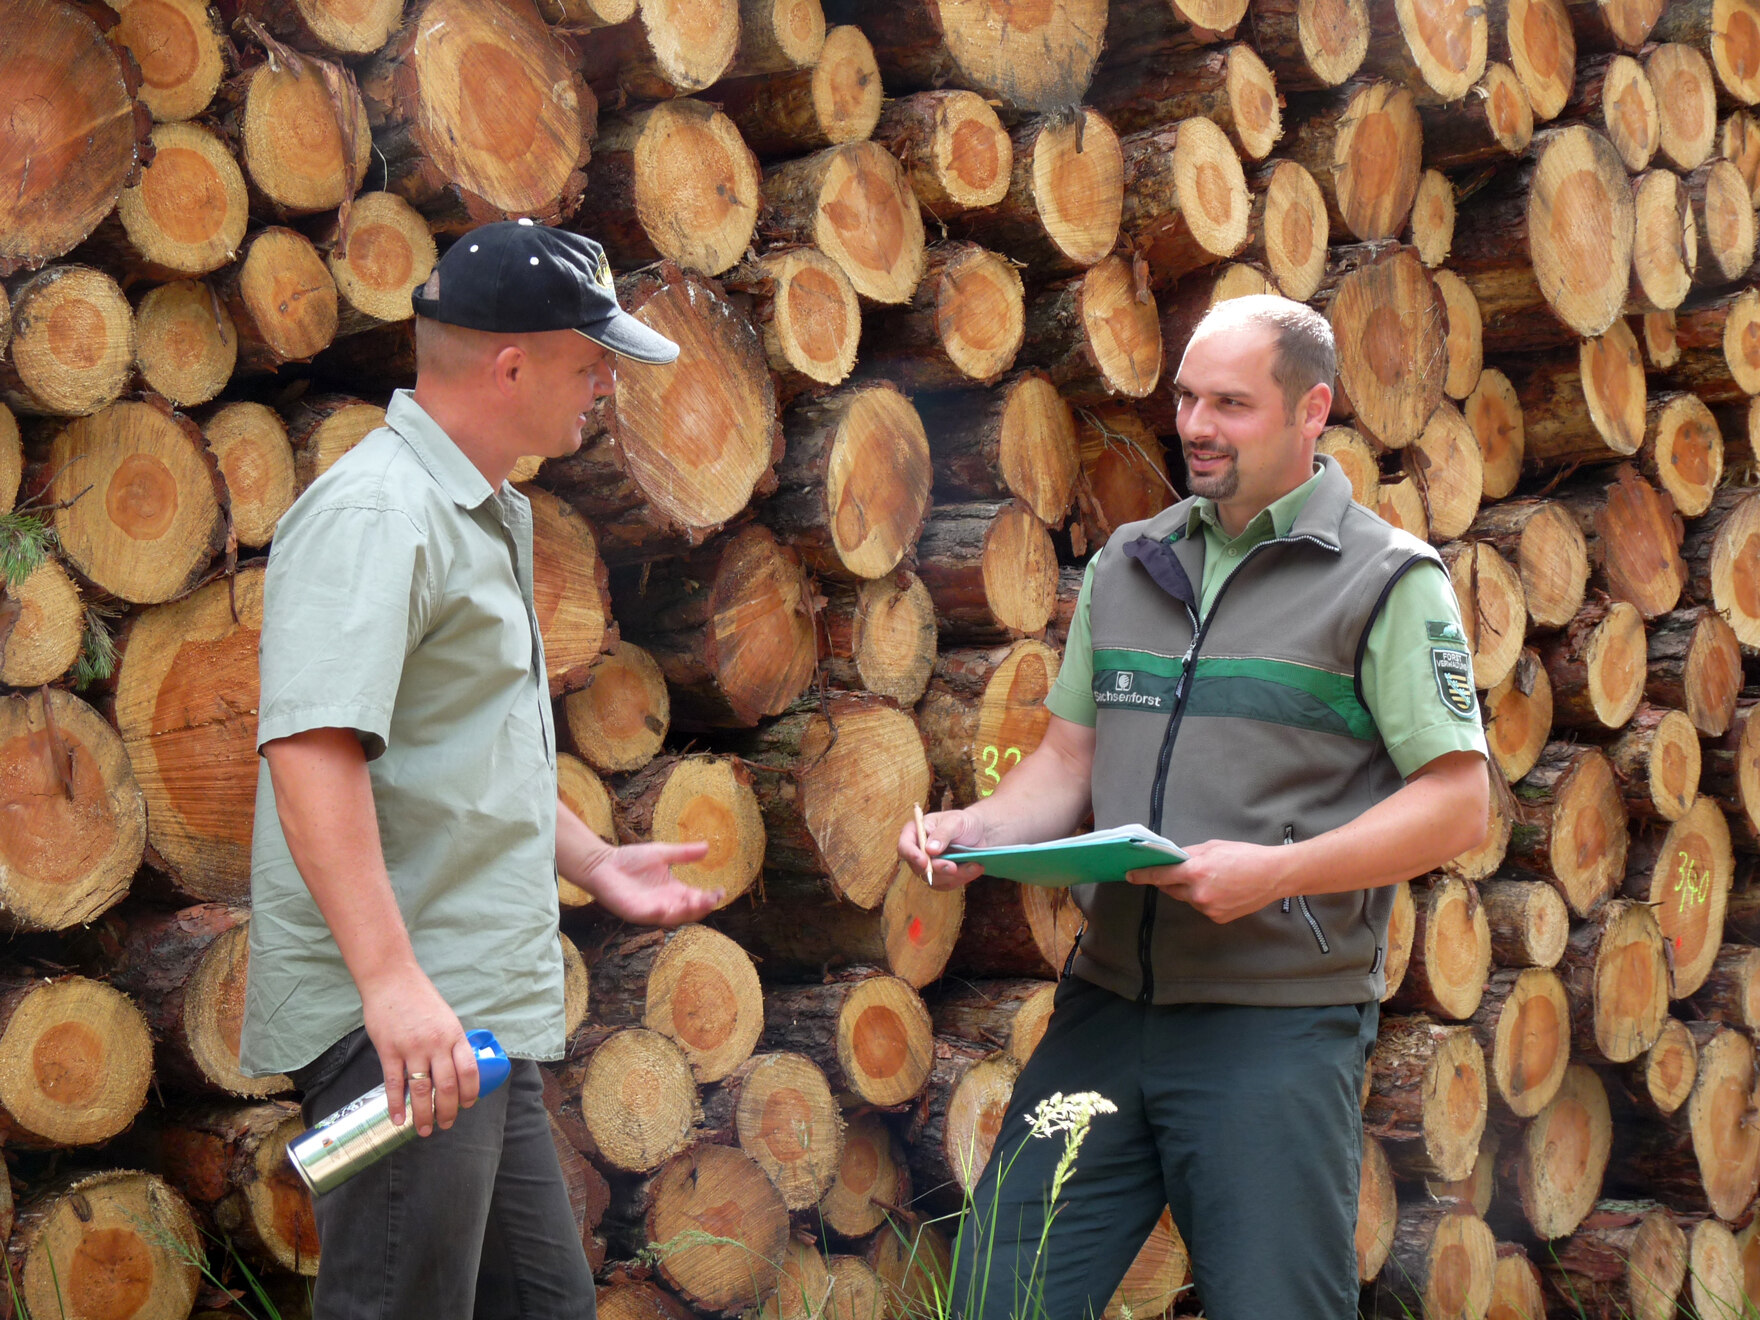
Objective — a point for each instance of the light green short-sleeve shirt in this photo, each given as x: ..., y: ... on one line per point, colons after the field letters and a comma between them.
x: 398, y: 604
x: 1399, y: 680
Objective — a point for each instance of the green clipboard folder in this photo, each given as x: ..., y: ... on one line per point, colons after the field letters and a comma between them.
x: 1080, y: 859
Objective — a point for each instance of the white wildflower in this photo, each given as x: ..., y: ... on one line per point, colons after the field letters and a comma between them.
x: 1068, y: 1113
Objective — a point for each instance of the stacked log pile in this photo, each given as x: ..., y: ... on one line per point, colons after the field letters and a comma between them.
x: 932, y: 272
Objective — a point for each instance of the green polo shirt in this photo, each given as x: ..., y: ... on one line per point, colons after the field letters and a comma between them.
x: 398, y: 604
x: 1400, y: 683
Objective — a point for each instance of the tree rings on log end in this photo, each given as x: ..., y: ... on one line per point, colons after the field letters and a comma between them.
x: 778, y: 35
x: 188, y: 345
x: 213, y: 1016
x: 845, y: 88
x: 283, y: 298
x: 1355, y: 456
x: 67, y: 155
x: 955, y: 151
x: 1723, y: 218
x: 329, y: 27
x: 698, y: 436
x: 723, y: 1193
x: 919, y: 927
x: 114, y: 1244
x: 885, y: 1042
x: 1036, y: 450
x: 692, y: 41
x: 1724, y: 1139
x: 710, y: 800
x: 1738, y: 140
x: 862, y: 768
x: 1665, y: 245
x: 497, y: 106
x: 1671, y: 1066
x: 1628, y: 990
x: 866, y: 219
x: 291, y: 139
x: 1454, y: 1112
x: 1077, y: 182
x: 1432, y: 219
x: 1466, y: 347
x: 177, y: 44
x: 42, y: 626
x: 1580, y: 229
x: 1376, y: 157
x: 78, y: 1060
x: 1493, y: 609
x: 1563, y: 1155
x: 1518, y: 717
x: 1377, y: 1209
x: 870, y: 1174
x: 65, y: 856
x: 1401, y: 931
x: 384, y: 254
x: 1716, y: 1280
x: 1029, y: 54
x: 1629, y: 112
x: 1294, y: 230
x: 577, y: 987
x: 1158, y: 1276
x: 1683, y: 452
x: 151, y: 521
x: 619, y: 718
x: 256, y: 463
x: 1688, y: 883
x: 11, y: 445
x: 638, y: 1100
x: 1121, y: 331
x: 1531, y: 1043
x: 1686, y: 104
x: 569, y: 590
x: 1446, y: 465
x: 1494, y: 411
x: 1389, y: 324
x: 703, y: 995
x: 1012, y: 716
x: 815, y: 319
x: 696, y: 184
x: 1400, y: 505
x: 1253, y: 103
x: 892, y: 636
x: 186, y: 704
x: 1019, y: 570
x: 1735, y: 570
x: 73, y: 343
x: 980, y: 312
x: 876, y: 482
x: 188, y: 212
x: 1542, y: 52
x: 324, y: 427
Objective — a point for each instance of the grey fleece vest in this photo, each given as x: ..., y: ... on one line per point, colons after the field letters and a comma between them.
x: 1252, y: 727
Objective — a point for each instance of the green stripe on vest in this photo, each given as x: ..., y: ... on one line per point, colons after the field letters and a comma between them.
x: 1273, y: 691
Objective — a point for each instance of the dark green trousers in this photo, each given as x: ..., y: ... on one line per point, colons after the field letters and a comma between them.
x: 1243, y: 1120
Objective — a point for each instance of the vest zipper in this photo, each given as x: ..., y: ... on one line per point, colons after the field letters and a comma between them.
x: 1158, y: 790
x: 1289, y: 837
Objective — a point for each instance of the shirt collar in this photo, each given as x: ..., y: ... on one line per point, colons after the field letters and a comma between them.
x: 445, y: 461
x: 1282, y: 512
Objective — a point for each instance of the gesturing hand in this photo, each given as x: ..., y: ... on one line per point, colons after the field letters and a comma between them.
x: 942, y: 829
x: 636, y: 882
x: 1223, y: 880
x: 422, y: 1046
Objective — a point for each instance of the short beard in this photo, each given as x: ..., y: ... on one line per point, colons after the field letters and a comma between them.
x: 1220, y: 487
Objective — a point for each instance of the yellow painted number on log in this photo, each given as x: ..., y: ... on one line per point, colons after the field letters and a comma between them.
x: 1691, y: 883
x: 996, y: 762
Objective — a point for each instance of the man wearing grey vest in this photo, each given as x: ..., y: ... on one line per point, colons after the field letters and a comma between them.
x: 1277, y: 680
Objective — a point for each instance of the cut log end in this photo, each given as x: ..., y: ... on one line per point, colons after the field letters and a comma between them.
x: 955, y: 150
x: 1389, y: 323
x: 114, y: 1243
x: 723, y: 1193
x: 73, y: 343
x: 79, y: 1061
x: 619, y: 718
x: 1583, y: 262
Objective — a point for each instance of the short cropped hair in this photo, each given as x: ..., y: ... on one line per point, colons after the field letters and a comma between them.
x: 1304, y: 353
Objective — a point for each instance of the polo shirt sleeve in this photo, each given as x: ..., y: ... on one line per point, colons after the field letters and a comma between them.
x: 347, y: 597
x: 1417, y: 673
x: 1072, y: 695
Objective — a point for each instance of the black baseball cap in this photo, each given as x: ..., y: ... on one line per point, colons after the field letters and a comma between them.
x: 516, y: 277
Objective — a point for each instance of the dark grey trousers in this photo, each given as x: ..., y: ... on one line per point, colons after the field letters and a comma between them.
x: 1243, y: 1120
x: 470, y: 1222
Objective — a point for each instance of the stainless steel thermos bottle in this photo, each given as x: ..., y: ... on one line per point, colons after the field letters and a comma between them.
x: 361, y: 1133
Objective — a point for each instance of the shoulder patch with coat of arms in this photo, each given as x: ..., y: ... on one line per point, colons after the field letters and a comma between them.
x: 1453, y: 668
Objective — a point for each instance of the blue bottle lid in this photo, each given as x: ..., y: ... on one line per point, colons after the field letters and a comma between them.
x: 492, y: 1062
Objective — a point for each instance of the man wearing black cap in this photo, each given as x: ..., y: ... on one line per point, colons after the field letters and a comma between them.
x: 408, y: 836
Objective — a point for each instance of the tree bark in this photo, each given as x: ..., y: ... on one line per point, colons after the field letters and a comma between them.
x: 1027, y: 57
x: 990, y: 570
x: 232, y: 1160
x: 1427, y: 1096
x: 834, y: 100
